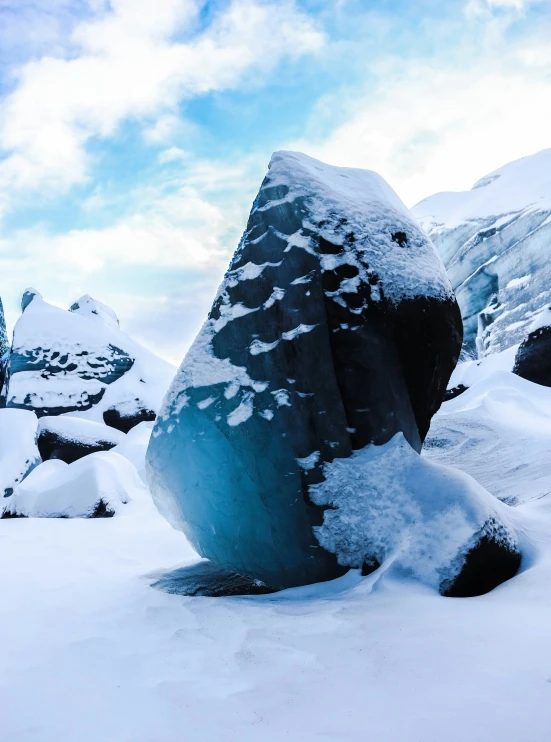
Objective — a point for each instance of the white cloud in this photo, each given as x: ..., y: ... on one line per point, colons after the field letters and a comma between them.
x: 188, y: 228
x: 131, y: 65
x: 165, y: 323
x: 172, y: 154
x: 430, y: 127
x: 480, y: 7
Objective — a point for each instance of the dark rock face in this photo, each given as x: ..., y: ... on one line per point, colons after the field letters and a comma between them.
x: 533, y: 359
x: 488, y: 564
x: 53, y: 445
x: 335, y: 327
x: 126, y: 416
x: 102, y: 510
x: 70, y: 438
x: 454, y: 392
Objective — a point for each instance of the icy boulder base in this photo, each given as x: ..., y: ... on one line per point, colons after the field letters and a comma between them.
x: 71, y: 438
x: 96, y: 486
x: 533, y: 359
x: 335, y: 327
x: 494, y: 241
x: 388, y: 505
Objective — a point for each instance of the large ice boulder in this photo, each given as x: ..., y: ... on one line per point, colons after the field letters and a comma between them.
x: 335, y: 328
x: 96, y: 486
x: 533, y: 358
x: 494, y: 241
x: 80, y: 361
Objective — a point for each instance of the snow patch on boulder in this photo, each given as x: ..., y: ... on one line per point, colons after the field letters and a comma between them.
x: 386, y: 503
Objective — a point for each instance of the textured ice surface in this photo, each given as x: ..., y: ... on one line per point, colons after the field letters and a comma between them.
x: 494, y: 241
x: 335, y: 327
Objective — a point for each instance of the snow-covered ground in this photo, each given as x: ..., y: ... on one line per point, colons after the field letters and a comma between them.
x: 92, y: 653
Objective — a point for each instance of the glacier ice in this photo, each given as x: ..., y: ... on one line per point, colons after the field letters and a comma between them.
x: 494, y: 241
x: 335, y: 327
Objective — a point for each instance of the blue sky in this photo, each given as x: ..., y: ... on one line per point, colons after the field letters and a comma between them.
x: 134, y: 134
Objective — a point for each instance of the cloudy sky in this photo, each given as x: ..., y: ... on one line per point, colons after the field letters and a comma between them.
x: 135, y: 133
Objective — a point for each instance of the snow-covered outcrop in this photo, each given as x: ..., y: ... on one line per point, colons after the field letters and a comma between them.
x: 92, y: 487
x: 18, y: 450
x: 75, y: 384
x: 494, y: 241
x: 80, y: 362
x: 335, y: 328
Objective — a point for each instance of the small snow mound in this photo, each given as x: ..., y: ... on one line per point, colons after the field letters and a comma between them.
x: 94, y: 486
x: 388, y: 503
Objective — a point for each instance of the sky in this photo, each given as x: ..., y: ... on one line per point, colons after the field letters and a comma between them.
x: 134, y: 134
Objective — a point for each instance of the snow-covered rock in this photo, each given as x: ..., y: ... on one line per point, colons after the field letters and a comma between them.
x: 18, y: 450
x: 335, y: 327
x: 96, y: 486
x: 127, y: 413
x: 494, y: 241
x: 533, y: 358
x: 80, y: 362
x: 436, y: 523
x: 70, y: 438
